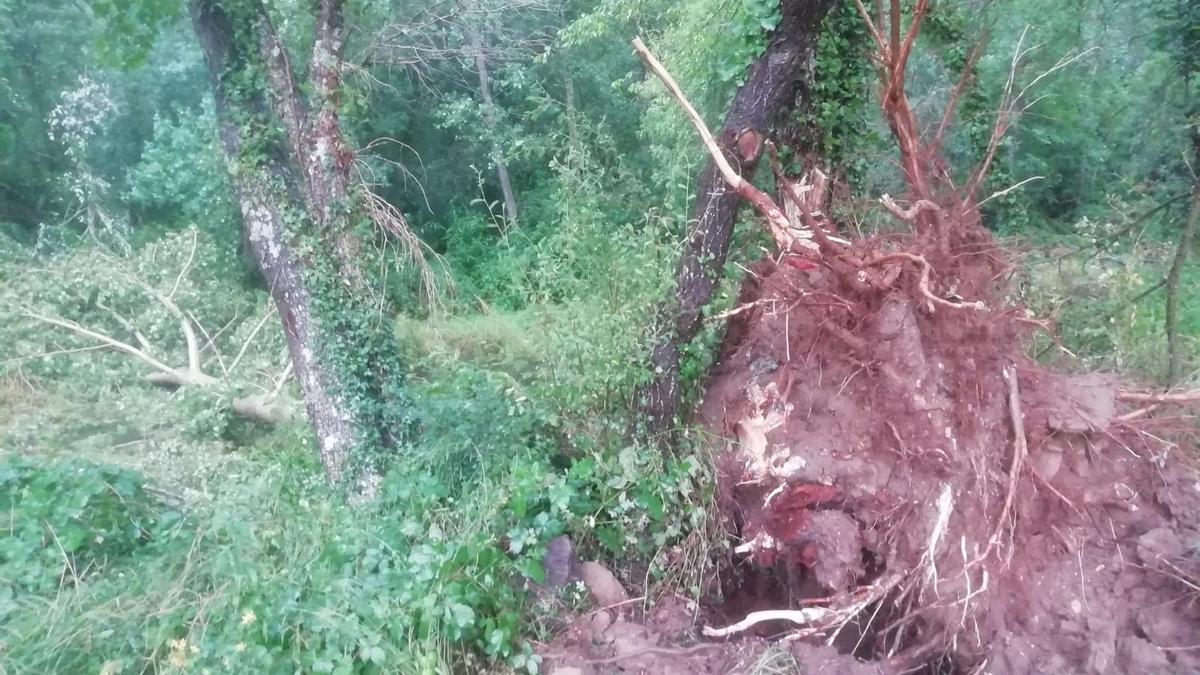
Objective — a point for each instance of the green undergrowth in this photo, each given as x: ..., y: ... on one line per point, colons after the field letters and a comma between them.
x: 134, y: 546
x: 1108, y: 314
x: 99, y: 573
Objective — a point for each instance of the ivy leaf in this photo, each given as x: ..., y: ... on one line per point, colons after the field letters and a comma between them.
x: 461, y: 615
x: 611, y: 538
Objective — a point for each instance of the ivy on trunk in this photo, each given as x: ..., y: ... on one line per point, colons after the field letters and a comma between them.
x: 299, y: 212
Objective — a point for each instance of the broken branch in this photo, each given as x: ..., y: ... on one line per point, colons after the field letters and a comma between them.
x: 1190, y: 396
x: 802, y: 617
x: 777, y: 221
x: 104, y: 339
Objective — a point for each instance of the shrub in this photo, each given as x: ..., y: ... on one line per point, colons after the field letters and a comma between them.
x: 68, y: 521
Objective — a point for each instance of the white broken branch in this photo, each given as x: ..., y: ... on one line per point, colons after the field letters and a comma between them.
x: 1192, y: 396
x: 777, y: 220
x: 104, y: 339
x: 802, y: 617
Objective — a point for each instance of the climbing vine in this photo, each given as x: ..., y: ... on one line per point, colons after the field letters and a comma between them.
x: 836, y: 111
x: 352, y: 344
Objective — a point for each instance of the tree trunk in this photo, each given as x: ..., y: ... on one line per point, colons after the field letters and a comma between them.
x: 772, y: 86
x: 573, y: 141
x: 289, y: 222
x: 1186, y: 235
x: 489, y: 118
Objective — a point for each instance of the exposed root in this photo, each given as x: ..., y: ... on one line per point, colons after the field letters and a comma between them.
x: 923, y: 283
x: 1020, y: 452
x: 885, y: 445
x: 910, y: 214
x: 803, y: 617
x: 1190, y: 396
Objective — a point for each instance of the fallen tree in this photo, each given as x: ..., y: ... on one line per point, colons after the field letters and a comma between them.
x: 269, y: 404
x: 935, y: 498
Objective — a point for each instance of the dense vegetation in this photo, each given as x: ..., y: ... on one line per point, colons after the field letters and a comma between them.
x: 493, y: 363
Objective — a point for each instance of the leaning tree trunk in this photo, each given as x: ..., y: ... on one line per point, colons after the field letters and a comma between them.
x: 292, y: 191
x: 1175, y: 347
x: 774, y: 82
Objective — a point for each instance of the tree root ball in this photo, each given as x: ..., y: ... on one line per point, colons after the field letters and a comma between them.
x: 947, y: 498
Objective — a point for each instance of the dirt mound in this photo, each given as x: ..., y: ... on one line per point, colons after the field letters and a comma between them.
x: 935, y: 499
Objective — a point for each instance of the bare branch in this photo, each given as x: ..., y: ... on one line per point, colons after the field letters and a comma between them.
x: 187, y: 267
x: 964, y: 78
x: 127, y: 325
x: 910, y: 214
x: 253, y: 333
x: 392, y: 223
x: 210, y: 341
x: 1012, y: 106
x: 777, y: 220
x: 1001, y: 193
x: 193, y: 350
x: 1189, y: 396
x: 871, y: 27
x: 104, y: 339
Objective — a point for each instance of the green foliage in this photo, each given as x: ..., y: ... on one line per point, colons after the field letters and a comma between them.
x: 131, y: 27
x: 519, y: 386
x: 272, y: 575
x: 68, y: 521
x: 199, y: 195
x: 1109, y: 313
x: 840, y: 92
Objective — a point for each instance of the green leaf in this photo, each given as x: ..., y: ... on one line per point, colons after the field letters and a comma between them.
x: 611, y: 538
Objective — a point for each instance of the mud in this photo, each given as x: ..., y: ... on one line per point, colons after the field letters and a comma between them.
x: 1014, y: 522
x: 935, y: 501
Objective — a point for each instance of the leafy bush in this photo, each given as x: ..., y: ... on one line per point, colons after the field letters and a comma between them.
x: 198, y: 196
x: 68, y: 521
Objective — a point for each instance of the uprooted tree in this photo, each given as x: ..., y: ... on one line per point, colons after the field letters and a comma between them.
x: 944, y: 497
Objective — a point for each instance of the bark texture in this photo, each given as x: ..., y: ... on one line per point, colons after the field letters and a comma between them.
x: 275, y: 188
x: 775, y: 80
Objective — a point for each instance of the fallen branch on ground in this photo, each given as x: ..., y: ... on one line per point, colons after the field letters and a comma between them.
x: 268, y: 407
x: 1189, y: 396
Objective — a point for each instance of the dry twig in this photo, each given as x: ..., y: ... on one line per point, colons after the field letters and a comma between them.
x: 1188, y: 396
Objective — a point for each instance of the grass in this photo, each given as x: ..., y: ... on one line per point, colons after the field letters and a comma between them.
x: 1103, y: 316
x: 252, y: 565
